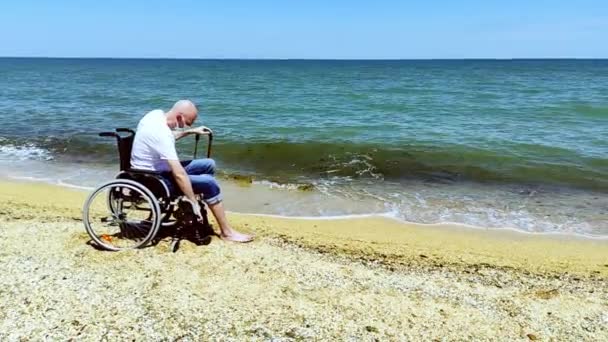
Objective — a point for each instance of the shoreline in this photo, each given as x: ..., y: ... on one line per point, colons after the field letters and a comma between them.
x: 387, y: 215
x: 368, y: 236
x: 550, y: 210
x: 434, y: 224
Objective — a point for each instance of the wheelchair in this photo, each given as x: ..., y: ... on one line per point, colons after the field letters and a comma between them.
x: 137, y: 208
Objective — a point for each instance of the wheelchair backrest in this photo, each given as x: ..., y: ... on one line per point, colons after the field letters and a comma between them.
x: 125, y: 145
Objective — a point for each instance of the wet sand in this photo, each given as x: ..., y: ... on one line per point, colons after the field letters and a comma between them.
x: 364, y: 278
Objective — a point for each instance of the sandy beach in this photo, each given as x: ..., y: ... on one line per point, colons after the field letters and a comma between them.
x: 342, y: 279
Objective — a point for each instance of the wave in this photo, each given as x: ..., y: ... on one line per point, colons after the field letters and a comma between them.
x: 296, y: 162
x: 27, y: 151
x: 444, y: 164
x: 80, y: 147
x: 593, y: 112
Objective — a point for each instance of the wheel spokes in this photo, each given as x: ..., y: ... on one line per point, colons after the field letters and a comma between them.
x: 133, y: 215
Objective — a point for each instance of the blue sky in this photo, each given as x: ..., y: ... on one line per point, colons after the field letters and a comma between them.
x: 305, y: 29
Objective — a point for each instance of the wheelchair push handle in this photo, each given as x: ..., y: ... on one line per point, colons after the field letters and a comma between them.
x: 125, y: 130
x: 210, y: 140
x: 115, y: 134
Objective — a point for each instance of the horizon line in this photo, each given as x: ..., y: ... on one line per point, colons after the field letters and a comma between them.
x: 311, y: 59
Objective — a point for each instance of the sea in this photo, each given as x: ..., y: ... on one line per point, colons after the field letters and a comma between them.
x: 505, y: 144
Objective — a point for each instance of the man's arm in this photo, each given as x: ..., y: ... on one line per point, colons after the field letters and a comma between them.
x: 180, y: 134
x: 198, y: 130
x: 182, y: 179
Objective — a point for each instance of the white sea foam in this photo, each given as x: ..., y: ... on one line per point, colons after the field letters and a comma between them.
x: 395, y: 216
x: 275, y: 185
x: 476, y: 206
x: 25, y: 152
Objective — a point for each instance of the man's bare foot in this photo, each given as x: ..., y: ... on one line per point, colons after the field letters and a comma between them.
x: 236, y: 237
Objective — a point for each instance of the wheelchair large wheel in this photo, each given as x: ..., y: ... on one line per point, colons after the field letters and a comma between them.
x: 162, y: 195
x: 122, y: 214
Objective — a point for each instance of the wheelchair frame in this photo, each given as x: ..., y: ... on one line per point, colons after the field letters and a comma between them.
x: 134, y: 193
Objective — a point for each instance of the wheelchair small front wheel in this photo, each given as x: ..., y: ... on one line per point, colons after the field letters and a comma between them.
x: 122, y: 214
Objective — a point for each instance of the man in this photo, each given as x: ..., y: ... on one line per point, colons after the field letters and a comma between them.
x: 154, y: 149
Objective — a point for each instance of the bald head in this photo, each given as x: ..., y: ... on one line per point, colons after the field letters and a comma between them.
x: 184, y: 106
x: 183, y: 113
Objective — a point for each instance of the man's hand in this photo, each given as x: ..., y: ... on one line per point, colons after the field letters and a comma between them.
x: 196, y: 208
x: 202, y: 130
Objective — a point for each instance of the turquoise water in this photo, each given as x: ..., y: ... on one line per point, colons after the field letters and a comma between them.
x: 467, y: 135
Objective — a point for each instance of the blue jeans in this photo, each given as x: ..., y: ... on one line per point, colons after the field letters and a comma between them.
x: 200, y: 172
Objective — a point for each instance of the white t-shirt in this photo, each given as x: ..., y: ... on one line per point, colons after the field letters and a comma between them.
x: 154, y: 143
